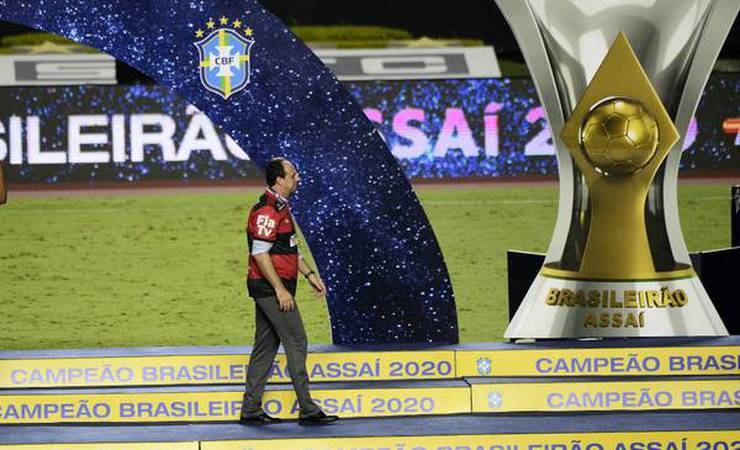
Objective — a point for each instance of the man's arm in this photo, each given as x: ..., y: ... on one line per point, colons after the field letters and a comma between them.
x: 3, y: 191
x: 268, y: 271
x: 312, y: 277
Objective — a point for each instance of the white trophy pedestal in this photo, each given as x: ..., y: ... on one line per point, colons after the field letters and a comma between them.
x: 567, y: 308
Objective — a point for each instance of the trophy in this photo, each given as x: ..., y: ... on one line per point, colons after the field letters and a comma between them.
x: 620, y: 81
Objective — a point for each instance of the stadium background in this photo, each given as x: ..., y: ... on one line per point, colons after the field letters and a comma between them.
x: 116, y: 265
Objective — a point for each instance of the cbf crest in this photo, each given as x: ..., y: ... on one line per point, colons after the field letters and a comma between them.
x: 484, y: 366
x: 495, y: 399
x: 224, y: 56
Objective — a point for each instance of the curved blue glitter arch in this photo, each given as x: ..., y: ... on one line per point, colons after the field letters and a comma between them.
x: 367, y: 231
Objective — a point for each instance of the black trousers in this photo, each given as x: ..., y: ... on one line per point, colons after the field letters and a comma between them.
x: 272, y: 327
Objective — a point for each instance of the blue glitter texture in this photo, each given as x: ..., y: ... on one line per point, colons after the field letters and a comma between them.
x: 386, y: 276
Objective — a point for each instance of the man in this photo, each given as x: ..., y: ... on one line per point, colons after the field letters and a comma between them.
x: 274, y: 263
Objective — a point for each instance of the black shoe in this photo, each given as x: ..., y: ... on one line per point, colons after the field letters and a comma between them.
x: 260, y: 419
x: 318, y: 419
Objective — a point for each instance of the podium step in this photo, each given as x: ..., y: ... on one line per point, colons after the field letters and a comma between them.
x: 178, y: 366
x: 663, y: 430
x: 212, y: 365
x: 604, y: 357
x: 219, y: 403
x: 372, y: 399
x: 506, y: 395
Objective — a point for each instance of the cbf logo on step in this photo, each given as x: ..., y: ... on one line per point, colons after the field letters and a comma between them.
x: 224, y: 61
x: 484, y: 366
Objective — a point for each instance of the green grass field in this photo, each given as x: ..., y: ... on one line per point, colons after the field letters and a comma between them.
x: 168, y: 269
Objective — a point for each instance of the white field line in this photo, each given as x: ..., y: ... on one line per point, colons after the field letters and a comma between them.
x: 716, y: 197
x: 127, y: 208
x: 532, y: 201
x: 485, y: 202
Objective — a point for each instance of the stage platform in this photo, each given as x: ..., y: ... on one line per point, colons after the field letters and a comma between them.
x: 536, y: 394
x: 372, y: 399
x: 706, y: 430
x: 171, y: 366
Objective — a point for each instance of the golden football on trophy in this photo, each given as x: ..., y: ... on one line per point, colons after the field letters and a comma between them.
x: 619, y: 136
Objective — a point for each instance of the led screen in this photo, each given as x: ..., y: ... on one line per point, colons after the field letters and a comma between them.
x: 485, y: 128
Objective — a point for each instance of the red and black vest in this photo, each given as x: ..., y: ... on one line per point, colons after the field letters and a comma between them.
x: 270, y: 221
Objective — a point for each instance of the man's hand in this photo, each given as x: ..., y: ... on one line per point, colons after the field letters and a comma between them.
x: 285, y: 300
x: 317, y: 284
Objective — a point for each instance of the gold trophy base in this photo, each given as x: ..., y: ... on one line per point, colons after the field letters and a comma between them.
x: 681, y: 271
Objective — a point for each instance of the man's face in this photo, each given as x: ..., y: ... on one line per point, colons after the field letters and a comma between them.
x: 289, y: 184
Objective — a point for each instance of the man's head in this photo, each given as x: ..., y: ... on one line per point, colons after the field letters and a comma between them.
x: 282, y: 176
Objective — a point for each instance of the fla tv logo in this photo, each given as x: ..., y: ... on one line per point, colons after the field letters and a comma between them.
x: 224, y: 60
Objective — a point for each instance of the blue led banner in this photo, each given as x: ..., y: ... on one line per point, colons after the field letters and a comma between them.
x: 436, y: 129
x: 103, y: 133
x: 497, y: 127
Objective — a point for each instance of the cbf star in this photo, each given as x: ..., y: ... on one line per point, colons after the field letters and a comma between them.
x: 224, y: 57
